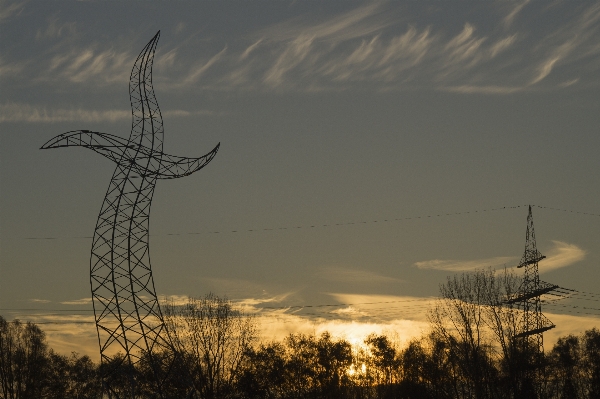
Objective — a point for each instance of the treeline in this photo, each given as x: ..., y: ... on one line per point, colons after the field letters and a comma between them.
x: 470, y: 352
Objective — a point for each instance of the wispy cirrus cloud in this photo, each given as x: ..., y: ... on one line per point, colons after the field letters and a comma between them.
x: 197, y: 71
x: 574, y: 41
x: 473, y: 89
x: 514, y: 11
x: 55, y: 29
x: 90, y: 64
x: 15, y: 112
x: 34, y: 300
x: 465, y: 265
x: 82, y: 301
x: 379, y: 46
x: 8, y: 9
x: 562, y: 254
x: 472, y: 61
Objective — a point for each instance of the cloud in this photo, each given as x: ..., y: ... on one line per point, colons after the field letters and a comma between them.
x: 199, y: 70
x: 354, y: 319
x: 400, y: 317
x: 39, y: 300
x: 348, y: 25
x: 562, y: 255
x: 545, y: 68
x: 10, y: 69
x: 15, y: 112
x: 350, y: 310
x: 561, y: 45
x: 176, y: 300
x: 250, y: 49
x: 468, y: 89
x: 295, y: 53
x: 56, y: 29
x: 82, y: 301
x: 10, y: 9
x: 569, y: 82
x: 465, y: 265
x: 339, y: 274
x: 567, y: 324
x: 501, y: 45
x: 508, y: 20
x: 379, y: 46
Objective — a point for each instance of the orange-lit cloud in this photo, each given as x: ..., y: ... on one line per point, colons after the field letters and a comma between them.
x: 562, y: 254
x: 82, y: 301
x: 402, y: 318
x: 466, y: 265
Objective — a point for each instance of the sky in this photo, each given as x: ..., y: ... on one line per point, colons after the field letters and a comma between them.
x: 369, y: 150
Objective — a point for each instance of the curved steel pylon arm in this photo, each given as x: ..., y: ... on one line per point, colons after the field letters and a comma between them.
x: 126, y: 307
x: 120, y: 150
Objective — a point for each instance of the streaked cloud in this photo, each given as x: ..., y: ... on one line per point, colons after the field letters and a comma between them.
x: 468, y: 89
x: 574, y: 41
x: 55, y: 29
x: 562, y: 255
x: 8, y: 9
x: 10, y: 69
x: 197, y: 71
x: 382, y: 46
x: 82, y: 301
x: 355, y: 23
x: 39, y: 300
x: 15, y: 112
x: 516, y: 9
x: 466, y: 265
x: 250, y: 49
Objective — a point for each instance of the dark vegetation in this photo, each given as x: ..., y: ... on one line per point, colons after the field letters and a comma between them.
x: 469, y: 352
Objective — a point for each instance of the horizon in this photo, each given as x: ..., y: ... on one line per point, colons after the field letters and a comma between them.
x: 367, y: 153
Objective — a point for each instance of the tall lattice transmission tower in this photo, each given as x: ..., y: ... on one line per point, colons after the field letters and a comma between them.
x: 532, y: 323
x: 126, y: 307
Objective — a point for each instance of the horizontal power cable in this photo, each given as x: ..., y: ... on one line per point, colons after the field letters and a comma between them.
x: 320, y: 225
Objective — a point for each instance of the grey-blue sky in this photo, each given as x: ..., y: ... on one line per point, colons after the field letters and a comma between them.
x: 328, y: 112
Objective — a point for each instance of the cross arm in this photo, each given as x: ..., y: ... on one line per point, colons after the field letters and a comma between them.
x: 108, y: 145
x: 172, y: 167
x: 118, y: 149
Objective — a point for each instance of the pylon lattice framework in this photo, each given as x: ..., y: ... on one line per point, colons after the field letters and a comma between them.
x: 533, y: 323
x: 126, y: 308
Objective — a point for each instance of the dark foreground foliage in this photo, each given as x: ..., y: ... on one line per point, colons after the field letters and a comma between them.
x: 219, y: 357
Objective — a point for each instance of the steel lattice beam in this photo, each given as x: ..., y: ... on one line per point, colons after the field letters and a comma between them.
x: 532, y: 324
x: 126, y: 308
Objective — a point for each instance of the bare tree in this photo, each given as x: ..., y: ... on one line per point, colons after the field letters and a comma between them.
x: 212, y: 335
x: 23, y: 359
x: 470, y: 303
x: 503, y: 321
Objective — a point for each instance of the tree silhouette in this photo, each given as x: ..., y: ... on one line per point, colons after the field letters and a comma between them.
x: 23, y: 357
x: 212, y: 337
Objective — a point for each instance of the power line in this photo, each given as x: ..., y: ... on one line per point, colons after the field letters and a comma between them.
x: 321, y: 225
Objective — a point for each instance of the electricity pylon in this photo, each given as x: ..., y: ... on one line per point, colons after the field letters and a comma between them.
x: 126, y: 308
x: 532, y: 323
